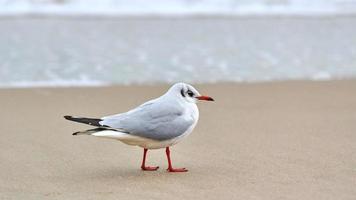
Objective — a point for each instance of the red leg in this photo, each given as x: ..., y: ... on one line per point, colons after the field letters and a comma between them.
x: 170, y: 168
x: 143, y: 166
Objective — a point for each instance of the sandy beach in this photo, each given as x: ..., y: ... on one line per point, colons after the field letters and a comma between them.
x: 282, y: 140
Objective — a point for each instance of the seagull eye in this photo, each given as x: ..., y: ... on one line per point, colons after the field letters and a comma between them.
x: 190, y: 93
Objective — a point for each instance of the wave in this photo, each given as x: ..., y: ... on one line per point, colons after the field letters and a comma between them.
x: 176, y: 7
x: 54, y: 83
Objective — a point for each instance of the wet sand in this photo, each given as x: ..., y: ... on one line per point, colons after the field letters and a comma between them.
x: 284, y: 140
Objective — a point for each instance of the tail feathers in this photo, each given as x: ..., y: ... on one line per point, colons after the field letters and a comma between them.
x: 91, y: 131
x: 115, y: 134
x: 84, y: 120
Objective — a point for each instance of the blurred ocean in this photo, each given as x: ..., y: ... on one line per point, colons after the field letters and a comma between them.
x: 176, y: 7
x: 235, y: 41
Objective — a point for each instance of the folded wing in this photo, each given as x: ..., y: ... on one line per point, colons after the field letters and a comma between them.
x: 153, y: 120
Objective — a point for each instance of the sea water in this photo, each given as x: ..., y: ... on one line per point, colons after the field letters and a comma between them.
x: 103, y: 50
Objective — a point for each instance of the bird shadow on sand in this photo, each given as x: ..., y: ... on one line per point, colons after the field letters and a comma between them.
x: 124, y: 174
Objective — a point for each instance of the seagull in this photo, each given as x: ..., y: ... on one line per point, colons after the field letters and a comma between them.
x: 158, y: 123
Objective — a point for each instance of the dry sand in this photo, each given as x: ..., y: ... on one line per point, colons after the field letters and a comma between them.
x: 288, y: 140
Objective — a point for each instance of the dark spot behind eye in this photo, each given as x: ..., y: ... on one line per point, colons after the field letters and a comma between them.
x: 182, y: 92
x: 190, y: 93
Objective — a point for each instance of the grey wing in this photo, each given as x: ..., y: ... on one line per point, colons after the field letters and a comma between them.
x: 154, y: 121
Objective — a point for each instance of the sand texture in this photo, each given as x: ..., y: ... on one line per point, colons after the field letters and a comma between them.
x: 286, y: 140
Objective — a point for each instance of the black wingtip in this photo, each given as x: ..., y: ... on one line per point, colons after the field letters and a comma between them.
x: 67, y: 117
x: 76, y: 133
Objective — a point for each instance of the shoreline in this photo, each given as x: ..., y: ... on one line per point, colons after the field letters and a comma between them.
x: 161, y: 84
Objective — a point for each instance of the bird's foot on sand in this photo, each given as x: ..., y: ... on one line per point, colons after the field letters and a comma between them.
x: 177, y: 170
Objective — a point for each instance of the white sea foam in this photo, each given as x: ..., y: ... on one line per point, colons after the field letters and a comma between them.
x: 321, y: 76
x: 54, y: 83
x: 177, y: 7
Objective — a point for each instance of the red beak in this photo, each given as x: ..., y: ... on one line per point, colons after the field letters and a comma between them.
x: 205, y: 98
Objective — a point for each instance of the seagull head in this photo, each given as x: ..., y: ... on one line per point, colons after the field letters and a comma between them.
x: 188, y: 93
